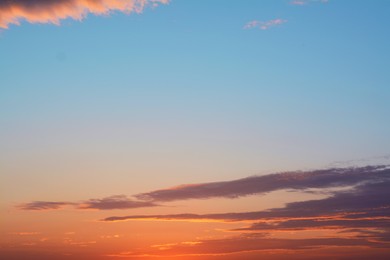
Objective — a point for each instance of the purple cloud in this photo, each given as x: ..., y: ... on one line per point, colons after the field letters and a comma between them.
x: 115, y: 202
x: 44, y: 205
x: 370, y: 176
x: 328, y: 178
x: 364, y: 209
x: 367, y: 201
x: 108, y: 203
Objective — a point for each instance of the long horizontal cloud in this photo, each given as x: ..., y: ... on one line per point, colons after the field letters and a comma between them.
x: 359, y: 215
x: 115, y: 202
x: 108, y: 203
x: 329, y: 178
x: 305, y: 2
x: 52, y: 11
x: 364, y: 210
x: 367, y: 201
x: 359, y: 219
x: 44, y: 205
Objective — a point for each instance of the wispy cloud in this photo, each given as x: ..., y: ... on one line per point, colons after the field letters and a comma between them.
x: 115, y: 202
x: 247, y: 243
x: 327, y: 178
x: 44, y: 205
x: 108, y: 203
x: 264, y: 25
x: 44, y: 11
x: 305, y: 2
x: 298, y: 2
x: 25, y: 233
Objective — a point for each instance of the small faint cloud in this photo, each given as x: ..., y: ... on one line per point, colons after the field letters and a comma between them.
x: 115, y: 202
x: 305, y: 2
x: 264, y: 25
x: 44, y: 205
x: 25, y: 233
x: 107, y: 203
x: 298, y: 2
x: 110, y: 236
x: 29, y: 244
x: 79, y: 243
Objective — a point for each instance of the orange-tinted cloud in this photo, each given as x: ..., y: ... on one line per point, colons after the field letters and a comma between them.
x: 25, y: 233
x: 255, y: 243
x: 53, y: 11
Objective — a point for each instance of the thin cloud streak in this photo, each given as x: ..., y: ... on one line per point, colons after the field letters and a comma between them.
x: 43, y: 11
x: 108, y: 203
x: 254, y: 242
x: 305, y: 2
x: 298, y: 181
x: 44, y: 205
x: 264, y: 25
x: 115, y: 202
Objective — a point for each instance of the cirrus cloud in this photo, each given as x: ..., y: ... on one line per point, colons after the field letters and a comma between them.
x: 107, y: 203
x: 264, y: 25
x: 305, y: 2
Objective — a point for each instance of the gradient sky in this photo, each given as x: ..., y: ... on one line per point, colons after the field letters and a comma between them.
x: 103, y: 105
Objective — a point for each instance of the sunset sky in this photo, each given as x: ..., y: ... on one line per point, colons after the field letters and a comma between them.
x: 194, y: 129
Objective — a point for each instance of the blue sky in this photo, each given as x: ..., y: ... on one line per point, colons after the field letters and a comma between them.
x: 187, y: 78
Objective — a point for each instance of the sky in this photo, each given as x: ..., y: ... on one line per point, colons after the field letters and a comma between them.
x: 183, y: 129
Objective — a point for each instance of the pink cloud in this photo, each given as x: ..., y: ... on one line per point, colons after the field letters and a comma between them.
x: 298, y: 2
x: 43, y: 11
x: 264, y: 25
x: 305, y: 2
